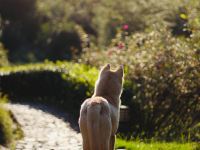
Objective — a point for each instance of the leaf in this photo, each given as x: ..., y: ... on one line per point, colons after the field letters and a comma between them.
x: 183, y: 16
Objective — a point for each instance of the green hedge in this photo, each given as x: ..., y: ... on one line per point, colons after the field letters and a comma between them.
x: 63, y: 84
x: 69, y: 84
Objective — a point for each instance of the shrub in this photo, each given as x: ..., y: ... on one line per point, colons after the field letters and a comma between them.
x: 163, y: 79
x: 32, y: 34
x: 63, y: 84
x: 35, y: 30
x: 19, y: 22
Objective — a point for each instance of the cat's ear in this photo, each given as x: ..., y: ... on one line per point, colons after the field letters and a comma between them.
x: 120, y: 71
x: 105, y: 68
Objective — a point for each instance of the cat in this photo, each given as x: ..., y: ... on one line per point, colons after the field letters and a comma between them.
x: 99, y: 115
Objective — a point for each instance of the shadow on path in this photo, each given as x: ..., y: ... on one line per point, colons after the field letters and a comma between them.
x: 54, y: 110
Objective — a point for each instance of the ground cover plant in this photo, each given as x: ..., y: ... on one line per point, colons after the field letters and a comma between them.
x: 5, y: 127
x: 10, y: 130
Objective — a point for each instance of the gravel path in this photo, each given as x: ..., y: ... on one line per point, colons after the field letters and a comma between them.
x: 45, y: 128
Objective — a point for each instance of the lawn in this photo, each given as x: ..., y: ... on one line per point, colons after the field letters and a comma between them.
x: 138, y: 145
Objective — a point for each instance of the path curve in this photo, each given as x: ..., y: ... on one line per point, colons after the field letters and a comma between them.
x: 45, y: 128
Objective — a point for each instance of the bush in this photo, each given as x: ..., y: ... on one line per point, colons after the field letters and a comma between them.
x: 63, y: 84
x: 19, y: 26
x: 35, y: 30
x: 139, y: 15
x: 163, y: 81
x: 31, y: 34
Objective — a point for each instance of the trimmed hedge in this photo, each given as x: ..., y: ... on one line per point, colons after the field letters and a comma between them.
x: 64, y: 84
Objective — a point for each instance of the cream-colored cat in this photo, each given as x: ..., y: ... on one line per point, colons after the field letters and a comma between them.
x: 99, y: 115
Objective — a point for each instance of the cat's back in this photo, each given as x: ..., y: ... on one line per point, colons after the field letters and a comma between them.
x: 98, y: 102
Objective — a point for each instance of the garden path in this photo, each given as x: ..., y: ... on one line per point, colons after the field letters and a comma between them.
x: 45, y: 128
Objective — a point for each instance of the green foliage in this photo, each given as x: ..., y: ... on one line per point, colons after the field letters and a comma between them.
x: 35, y: 30
x: 163, y: 101
x: 163, y: 79
x: 6, y: 135
x: 152, y: 145
x: 19, y: 26
x: 157, y: 41
x: 195, y: 132
x: 31, y: 34
x: 10, y: 130
x: 62, y: 83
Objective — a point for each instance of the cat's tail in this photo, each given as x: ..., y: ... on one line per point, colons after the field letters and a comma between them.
x: 99, y: 125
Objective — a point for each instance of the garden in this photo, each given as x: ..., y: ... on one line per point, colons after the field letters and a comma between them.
x: 51, y: 53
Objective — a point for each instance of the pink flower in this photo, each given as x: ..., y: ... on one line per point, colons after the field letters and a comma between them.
x: 125, y: 27
x: 120, y: 45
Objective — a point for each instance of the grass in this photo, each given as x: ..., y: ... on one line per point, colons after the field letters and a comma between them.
x: 5, y: 127
x: 10, y: 130
x: 139, y: 145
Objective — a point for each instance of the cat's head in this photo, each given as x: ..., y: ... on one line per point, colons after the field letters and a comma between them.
x: 110, y: 81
